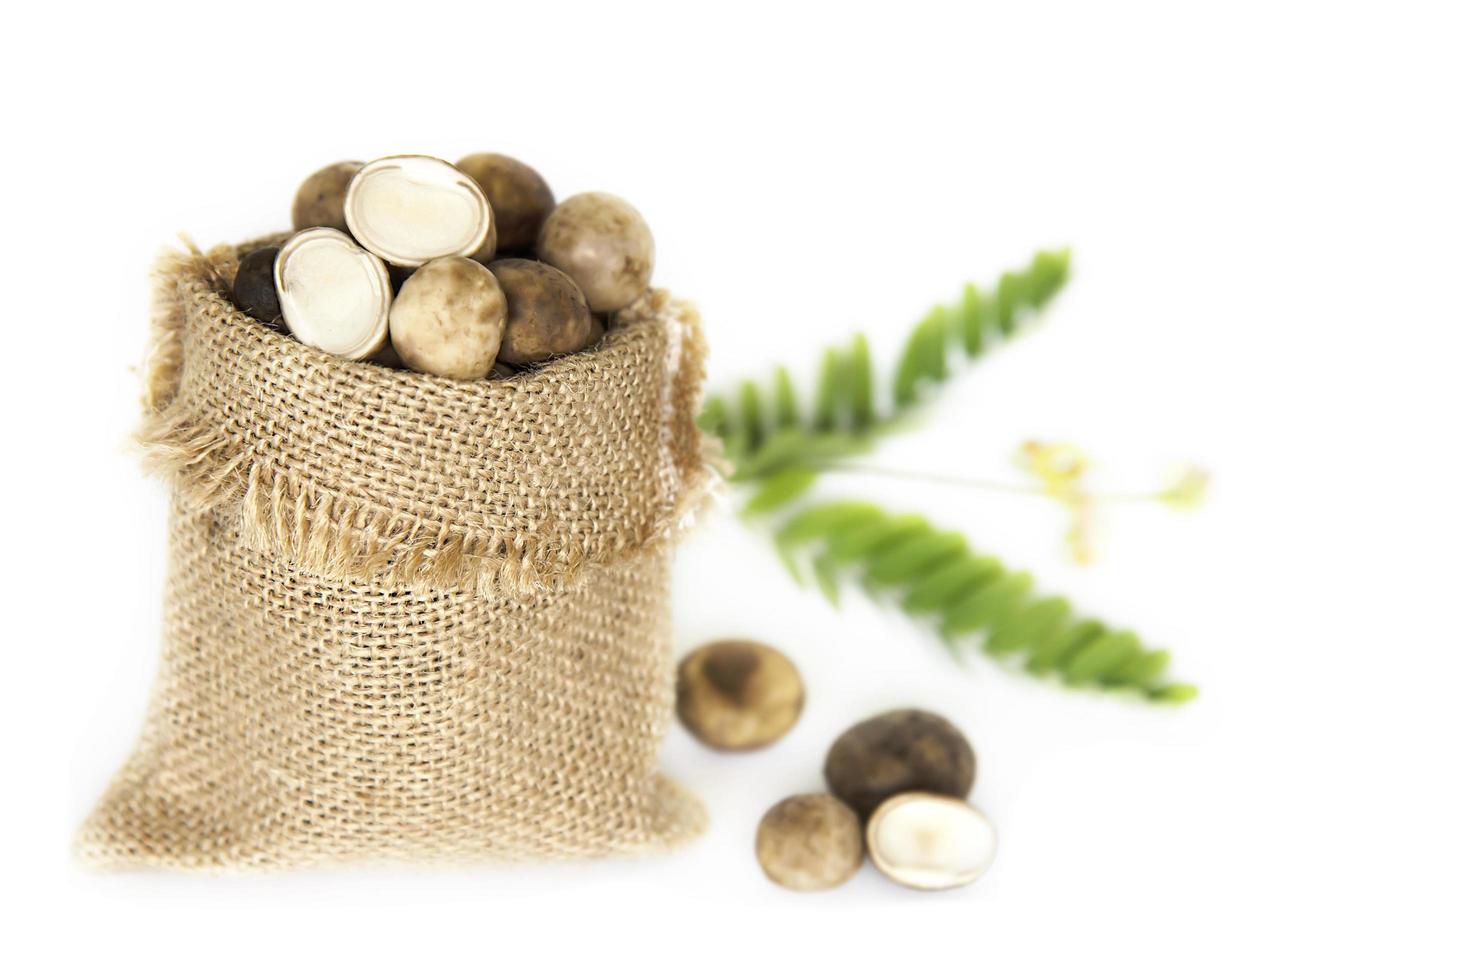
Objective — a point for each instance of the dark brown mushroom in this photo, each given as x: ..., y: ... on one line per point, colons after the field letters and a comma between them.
x: 520, y: 197
x: 388, y: 355
x: 319, y: 200
x: 547, y: 316
x: 899, y: 752
x: 254, y: 287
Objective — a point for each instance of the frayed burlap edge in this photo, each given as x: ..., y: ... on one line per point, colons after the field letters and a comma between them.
x: 326, y: 534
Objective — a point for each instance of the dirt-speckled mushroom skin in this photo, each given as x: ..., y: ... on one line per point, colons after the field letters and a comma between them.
x: 449, y: 319
x: 319, y: 201
x: 738, y: 694
x: 254, y: 287
x: 520, y: 198
x: 899, y: 752
x: 809, y: 842
x: 547, y: 316
x: 602, y: 243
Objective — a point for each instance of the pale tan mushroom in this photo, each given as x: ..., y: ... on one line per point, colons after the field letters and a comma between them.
x: 449, y: 319
x: 809, y: 843
x: 602, y: 243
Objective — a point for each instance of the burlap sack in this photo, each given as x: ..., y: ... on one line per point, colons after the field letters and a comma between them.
x: 407, y: 617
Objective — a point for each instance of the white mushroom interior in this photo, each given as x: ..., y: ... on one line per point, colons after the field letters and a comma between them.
x: 333, y: 294
x: 410, y: 209
x: 927, y: 841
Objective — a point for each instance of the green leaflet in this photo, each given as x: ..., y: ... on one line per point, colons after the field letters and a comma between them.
x: 780, y: 489
x: 765, y: 429
x: 787, y: 409
x: 935, y: 575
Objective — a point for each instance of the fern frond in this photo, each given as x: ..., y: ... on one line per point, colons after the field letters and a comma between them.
x: 766, y: 431
x: 971, y: 324
x: 934, y: 574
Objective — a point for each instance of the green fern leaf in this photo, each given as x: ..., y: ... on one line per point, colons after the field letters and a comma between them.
x: 937, y: 577
x: 859, y: 384
x: 845, y: 404
x: 714, y: 418
x: 751, y: 415
x: 780, y: 489
x: 787, y: 408
x: 943, y: 585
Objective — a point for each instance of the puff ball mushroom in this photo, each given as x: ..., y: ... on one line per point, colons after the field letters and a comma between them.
x: 602, y: 243
x: 898, y: 752
x: 547, y: 316
x: 809, y: 843
x: 320, y: 201
x: 254, y: 286
x: 449, y: 319
x: 518, y: 195
x: 738, y: 694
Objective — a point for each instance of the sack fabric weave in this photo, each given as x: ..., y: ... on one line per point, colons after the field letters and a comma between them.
x: 407, y: 617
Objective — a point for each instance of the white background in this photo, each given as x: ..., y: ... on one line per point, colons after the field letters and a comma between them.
x: 1268, y: 209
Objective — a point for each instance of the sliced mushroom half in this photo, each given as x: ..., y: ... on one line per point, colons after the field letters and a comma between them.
x: 334, y: 295
x: 927, y: 841
x: 411, y: 209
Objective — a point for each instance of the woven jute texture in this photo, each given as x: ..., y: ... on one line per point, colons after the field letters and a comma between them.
x: 407, y: 618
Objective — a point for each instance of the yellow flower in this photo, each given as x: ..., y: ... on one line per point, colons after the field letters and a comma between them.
x: 1060, y: 467
x: 1187, y: 490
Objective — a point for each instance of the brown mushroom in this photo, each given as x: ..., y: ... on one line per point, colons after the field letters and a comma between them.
x: 388, y: 355
x: 927, y: 841
x: 738, y: 694
x: 809, y: 842
x: 602, y: 243
x: 319, y: 200
x: 547, y: 315
x: 899, y: 752
x: 520, y: 198
x: 449, y: 318
x: 254, y: 287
